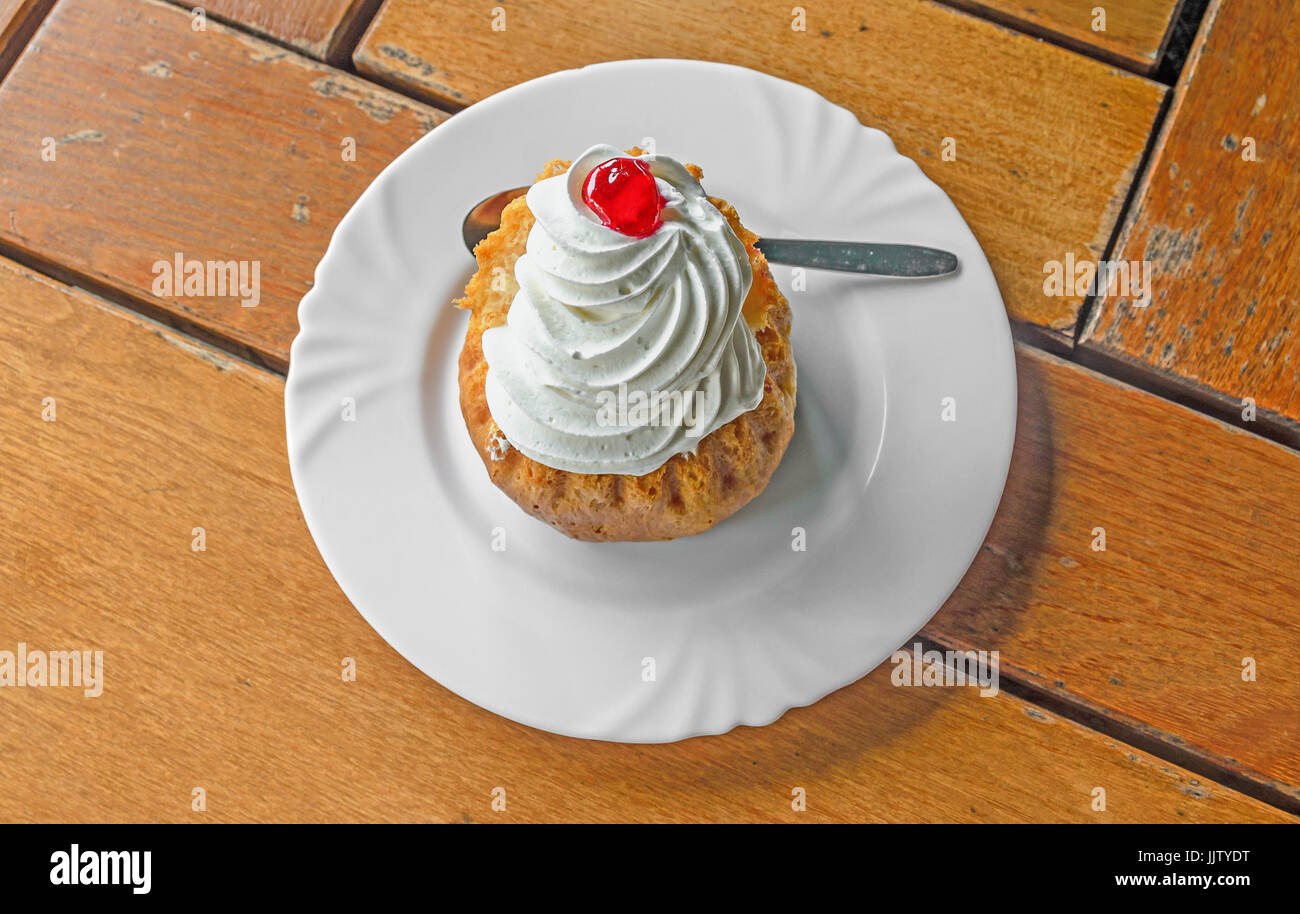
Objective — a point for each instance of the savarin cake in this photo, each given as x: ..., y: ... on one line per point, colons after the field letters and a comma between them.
x: 627, y: 371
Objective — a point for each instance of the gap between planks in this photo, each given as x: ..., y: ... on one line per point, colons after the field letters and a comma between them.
x: 1012, y: 23
x: 1209, y: 403
x: 339, y: 56
x: 1131, y: 732
x: 12, y: 49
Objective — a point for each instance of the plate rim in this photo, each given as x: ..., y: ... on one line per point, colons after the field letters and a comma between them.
x: 484, y: 109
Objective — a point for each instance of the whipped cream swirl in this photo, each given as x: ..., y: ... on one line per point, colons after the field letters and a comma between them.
x: 605, y: 324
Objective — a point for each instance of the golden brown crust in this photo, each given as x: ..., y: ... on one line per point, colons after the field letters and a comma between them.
x: 688, y: 494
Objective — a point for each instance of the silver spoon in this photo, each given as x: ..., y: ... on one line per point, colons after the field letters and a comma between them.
x: 850, y: 256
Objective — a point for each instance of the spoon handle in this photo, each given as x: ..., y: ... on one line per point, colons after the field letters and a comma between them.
x: 855, y: 257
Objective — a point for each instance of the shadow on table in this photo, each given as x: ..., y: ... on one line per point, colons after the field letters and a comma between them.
x: 868, y: 717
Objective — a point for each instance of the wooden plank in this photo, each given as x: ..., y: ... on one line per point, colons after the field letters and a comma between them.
x: 1201, y: 570
x: 1132, y: 34
x: 18, y: 20
x: 324, y: 29
x: 1046, y: 141
x: 222, y: 668
x: 213, y: 145
x: 1218, y: 227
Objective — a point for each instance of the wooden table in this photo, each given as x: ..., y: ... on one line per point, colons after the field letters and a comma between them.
x: 132, y: 129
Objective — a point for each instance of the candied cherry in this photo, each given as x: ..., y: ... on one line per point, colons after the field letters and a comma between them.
x: 622, y: 192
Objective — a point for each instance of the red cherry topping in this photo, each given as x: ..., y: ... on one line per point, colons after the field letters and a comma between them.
x: 622, y: 192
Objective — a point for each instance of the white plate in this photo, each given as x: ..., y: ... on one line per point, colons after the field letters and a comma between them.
x: 555, y: 633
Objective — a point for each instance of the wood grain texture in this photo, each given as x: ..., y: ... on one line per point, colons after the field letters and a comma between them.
x: 222, y: 667
x: 324, y: 29
x: 1133, y: 33
x: 1218, y: 228
x: 1046, y: 141
x: 1201, y: 570
x: 18, y: 20
x: 210, y: 144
